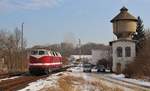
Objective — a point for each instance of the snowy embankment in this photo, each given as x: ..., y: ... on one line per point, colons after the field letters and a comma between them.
x: 42, y: 83
x: 134, y: 81
x: 69, y: 81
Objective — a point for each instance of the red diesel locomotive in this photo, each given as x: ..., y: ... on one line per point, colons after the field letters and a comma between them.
x: 45, y: 61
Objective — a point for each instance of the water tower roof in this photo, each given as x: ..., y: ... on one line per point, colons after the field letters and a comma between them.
x: 124, y: 15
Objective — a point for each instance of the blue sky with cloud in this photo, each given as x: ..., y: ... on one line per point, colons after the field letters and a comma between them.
x: 48, y: 21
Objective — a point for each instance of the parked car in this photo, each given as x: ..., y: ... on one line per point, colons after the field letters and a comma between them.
x: 75, y: 69
x: 101, y: 68
x: 87, y: 67
x: 94, y: 69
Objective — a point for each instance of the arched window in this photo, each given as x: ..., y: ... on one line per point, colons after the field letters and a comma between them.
x: 119, y: 51
x: 128, y: 51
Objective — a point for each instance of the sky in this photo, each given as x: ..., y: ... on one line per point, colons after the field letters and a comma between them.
x: 55, y: 21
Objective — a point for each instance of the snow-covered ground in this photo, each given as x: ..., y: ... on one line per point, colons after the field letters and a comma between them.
x: 135, y: 81
x: 75, y: 69
x: 77, y: 82
x: 42, y: 83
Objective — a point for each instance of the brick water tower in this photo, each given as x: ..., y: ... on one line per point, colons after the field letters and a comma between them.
x: 123, y: 49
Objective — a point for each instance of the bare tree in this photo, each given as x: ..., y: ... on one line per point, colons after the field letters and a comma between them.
x: 10, y: 49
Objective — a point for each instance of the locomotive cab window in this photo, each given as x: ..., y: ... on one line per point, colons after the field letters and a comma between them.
x: 34, y: 52
x: 41, y: 52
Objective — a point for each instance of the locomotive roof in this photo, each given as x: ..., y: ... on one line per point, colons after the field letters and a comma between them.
x: 44, y: 49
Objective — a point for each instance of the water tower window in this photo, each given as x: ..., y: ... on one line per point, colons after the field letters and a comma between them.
x: 128, y: 51
x: 119, y: 51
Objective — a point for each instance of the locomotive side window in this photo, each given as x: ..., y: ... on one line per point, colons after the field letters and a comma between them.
x: 53, y: 53
x: 56, y: 54
x: 34, y: 52
x: 59, y: 54
x: 41, y: 52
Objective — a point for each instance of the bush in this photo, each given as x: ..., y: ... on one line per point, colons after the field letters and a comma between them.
x: 140, y: 67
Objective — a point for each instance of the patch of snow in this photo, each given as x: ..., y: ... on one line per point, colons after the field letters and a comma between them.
x: 34, y: 86
x: 107, y: 70
x: 85, y: 76
x: 75, y: 69
x: 118, y: 76
x: 39, y: 84
x: 83, y: 86
x: 9, y: 78
x: 111, y: 85
x: 88, y: 77
x: 88, y: 87
x: 135, y: 81
x: 52, y: 82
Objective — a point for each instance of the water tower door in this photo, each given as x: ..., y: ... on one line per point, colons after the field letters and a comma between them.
x: 118, y: 69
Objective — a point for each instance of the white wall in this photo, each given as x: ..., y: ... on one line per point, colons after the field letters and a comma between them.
x: 74, y: 58
x: 123, y: 60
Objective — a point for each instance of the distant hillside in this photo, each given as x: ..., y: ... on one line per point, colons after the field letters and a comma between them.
x: 67, y: 49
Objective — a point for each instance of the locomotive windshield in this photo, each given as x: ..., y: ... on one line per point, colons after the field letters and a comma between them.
x: 39, y: 52
x: 34, y: 53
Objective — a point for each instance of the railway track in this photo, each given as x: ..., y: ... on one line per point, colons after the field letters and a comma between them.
x: 4, y: 76
x: 125, y: 84
x: 8, y: 75
x: 143, y: 86
x: 17, y: 83
x: 22, y: 81
x: 135, y: 87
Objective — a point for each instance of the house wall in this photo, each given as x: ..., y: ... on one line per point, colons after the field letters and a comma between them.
x: 122, y: 60
x: 74, y: 58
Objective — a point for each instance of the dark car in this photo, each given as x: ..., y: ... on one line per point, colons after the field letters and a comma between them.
x: 87, y: 67
x: 101, y: 68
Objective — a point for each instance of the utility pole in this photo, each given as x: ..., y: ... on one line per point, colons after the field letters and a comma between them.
x: 22, y: 35
x: 80, y: 49
x: 22, y: 49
